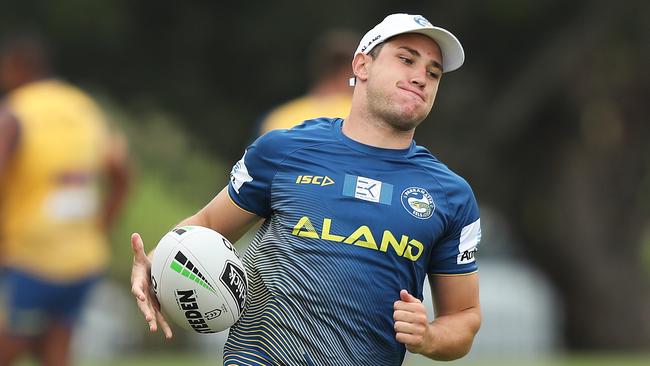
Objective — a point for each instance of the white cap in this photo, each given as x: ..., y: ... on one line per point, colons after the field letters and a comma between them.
x: 453, y: 55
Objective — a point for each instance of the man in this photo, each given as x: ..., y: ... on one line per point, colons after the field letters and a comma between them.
x: 356, y: 215
x: 329, y: 95
x: 56, y: 155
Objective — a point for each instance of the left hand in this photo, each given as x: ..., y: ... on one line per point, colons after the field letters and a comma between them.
x: 411, y: 323
x: 141, y: 288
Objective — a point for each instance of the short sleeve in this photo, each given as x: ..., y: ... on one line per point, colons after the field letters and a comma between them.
x: 251, y: 176
x: 455, y: 253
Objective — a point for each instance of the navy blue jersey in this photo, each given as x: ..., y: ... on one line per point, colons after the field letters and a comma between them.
x: 347, y: 227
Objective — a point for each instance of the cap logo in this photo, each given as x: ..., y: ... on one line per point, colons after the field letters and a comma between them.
x: 364, y: 48
x: 422, y: 21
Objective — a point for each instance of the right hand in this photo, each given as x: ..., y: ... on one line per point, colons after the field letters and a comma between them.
x: 141, y: 288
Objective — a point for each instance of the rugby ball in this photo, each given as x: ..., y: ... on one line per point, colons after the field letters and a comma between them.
x: 199, y: 279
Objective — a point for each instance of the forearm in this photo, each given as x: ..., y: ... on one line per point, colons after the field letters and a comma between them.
x: 119, y: 173
x: 195, y: 220
x: 115, y: 200
x: 223, y: 216
x: 451, y: 336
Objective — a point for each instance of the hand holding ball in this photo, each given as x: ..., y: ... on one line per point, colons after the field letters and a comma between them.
x: 199, y: 279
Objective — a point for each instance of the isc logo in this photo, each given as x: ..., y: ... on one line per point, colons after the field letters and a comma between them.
x: 318, y: 180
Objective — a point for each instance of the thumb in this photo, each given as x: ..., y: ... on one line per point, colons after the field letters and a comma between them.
x: 138, y: 248
x: 406, y: 297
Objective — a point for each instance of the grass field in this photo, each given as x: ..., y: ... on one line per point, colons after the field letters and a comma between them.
x: 176, y: 359
x: 575, y: 360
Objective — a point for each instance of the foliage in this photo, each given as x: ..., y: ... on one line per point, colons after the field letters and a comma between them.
x: 547, y: 119
x: 173, y: 179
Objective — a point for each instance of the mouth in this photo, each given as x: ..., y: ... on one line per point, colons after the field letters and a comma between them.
x: 416, y: 92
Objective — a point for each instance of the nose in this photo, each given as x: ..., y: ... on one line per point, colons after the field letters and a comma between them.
x: 419, y: 79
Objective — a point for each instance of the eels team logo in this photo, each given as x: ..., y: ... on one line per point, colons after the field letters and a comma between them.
x: 418, y: 202
x: 422, y: 21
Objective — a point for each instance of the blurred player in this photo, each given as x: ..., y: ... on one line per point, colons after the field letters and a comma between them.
x: 56, y: 160
x: 330, y: 95
x: 356, y: 216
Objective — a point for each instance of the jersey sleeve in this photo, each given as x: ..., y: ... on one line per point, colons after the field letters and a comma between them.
x: 251, y: 177
x: 456, y: 252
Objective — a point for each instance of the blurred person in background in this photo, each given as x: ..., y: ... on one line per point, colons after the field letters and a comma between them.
x: 330, y: 95
x: 63, y: 178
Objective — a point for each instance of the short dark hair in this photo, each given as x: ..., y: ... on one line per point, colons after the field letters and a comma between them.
x: 30, y: 47
x: 375, y: 51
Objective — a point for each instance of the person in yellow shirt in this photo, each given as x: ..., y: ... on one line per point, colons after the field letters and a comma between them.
x: 63, y: 176
x: 330, y: 94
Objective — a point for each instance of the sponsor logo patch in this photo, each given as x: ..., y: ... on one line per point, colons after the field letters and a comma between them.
x: 318, y: 180
x: 239, y: 174
x: 368, y: 189
x: 418, y: 202
x: 235, y: 281
x: 467, y: 256
x: 470, y: 237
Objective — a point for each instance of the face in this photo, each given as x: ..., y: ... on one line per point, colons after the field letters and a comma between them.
x: 9, y: 73
x: 402, y: 81
x: 5, y: 73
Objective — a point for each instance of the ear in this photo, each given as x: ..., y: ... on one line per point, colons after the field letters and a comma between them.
x: 360, y: 65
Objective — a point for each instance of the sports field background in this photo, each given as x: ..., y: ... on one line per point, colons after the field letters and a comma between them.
x: 594, y: 360
x: 548, y: 121
x: 576, y: 360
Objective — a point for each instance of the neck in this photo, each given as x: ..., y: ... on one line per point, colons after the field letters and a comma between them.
x: 367, y: 129
x: 23, y: 79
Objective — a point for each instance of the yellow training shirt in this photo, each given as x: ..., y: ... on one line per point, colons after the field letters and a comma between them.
x: 49, y: 194
x: 298, y: 110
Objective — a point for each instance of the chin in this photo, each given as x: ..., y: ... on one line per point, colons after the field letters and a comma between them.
x: 405, y: 122
x: 412, y: 117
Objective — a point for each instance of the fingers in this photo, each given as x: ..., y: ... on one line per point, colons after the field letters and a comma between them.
x: 140, y: 284
x: 139, y: 275
x: 167, y: 330
x: 410, y: 316
x: 411, y: 334
x: 406, y: 297
x: 137, y: 291
x: 409, y: 340
x: 138, y: 248
x: 411, y: 321
x: 153, y: 316
x: 409, y: 303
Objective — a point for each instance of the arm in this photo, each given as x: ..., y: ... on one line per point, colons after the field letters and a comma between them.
x: 118, y: 173
x: 9, y: 136
x: 221, y: 214
x: 9, y: 133
x: 458, y: 317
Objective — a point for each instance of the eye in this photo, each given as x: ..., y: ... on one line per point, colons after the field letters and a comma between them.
x: 406, y: 60
x: 433, y: 74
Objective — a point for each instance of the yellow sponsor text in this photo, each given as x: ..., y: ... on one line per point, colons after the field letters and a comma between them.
x: 404, y: 246
x: 319, y: 180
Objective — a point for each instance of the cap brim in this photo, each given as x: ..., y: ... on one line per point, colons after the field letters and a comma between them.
x: 453, y: 54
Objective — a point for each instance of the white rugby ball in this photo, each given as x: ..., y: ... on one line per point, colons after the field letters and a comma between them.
x: 199, y: 279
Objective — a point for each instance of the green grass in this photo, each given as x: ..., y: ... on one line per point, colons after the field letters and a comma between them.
x: 175, y: 359
x: 164, y: 359
x: 572, y: 360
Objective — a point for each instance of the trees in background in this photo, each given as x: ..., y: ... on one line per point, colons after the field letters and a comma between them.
x: 548, y: 118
